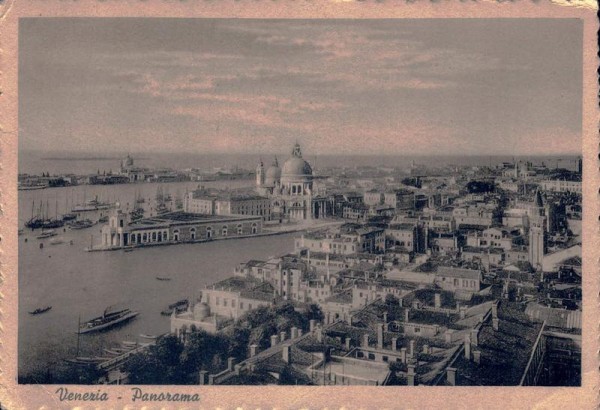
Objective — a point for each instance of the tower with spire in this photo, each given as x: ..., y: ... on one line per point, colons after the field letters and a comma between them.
x: 537, y: 232
x: 260, y: 175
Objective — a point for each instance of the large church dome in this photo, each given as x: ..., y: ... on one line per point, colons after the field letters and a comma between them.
x: 295, y: 166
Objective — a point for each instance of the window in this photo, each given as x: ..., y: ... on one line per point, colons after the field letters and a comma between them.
x: 193, y: 233
x: 224, y: 302
x: 417, y: 330
x: 224, y: 230
x: 385, y: 358
x: 239, y: 229
x: 232, y: 303
x: 371, y: 356
x: 153, y: 236
x: 208, y: 232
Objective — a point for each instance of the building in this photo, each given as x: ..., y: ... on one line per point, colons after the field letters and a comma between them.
x: 175, y: 227
x: 290, y: 189
x: 463, y: 282
x: 205, y: 203
x: 400, y: 199
x: 559, y: 185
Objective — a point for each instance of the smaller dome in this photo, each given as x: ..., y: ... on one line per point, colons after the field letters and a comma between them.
x: 201, y: 311
x: 273, y: 175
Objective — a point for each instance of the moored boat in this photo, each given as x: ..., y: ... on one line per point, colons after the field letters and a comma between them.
x: 86, y: 223
x: 46, y: 234
x: 163, y: 278
x: 56, y: 241
x: 145, y: 336
x: 107, y: 320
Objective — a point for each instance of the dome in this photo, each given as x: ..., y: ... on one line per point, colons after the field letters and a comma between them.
x: 273, y: 175
x: 201, y: 311
x: 296, y: 166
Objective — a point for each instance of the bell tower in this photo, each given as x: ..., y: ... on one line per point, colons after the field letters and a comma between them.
x: 260, y: 175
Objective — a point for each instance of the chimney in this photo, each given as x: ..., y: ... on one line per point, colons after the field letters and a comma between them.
x: 438, y: 300
x: 274, y: 340
x: 385, y: 317
x: 462, y: 312
x: 394, y: 343
x: 467, y: 347
x: 411, y: 345
x: 365, y: 342
x: 425, y: 349
x: 294, y: 333
x: 311, y: 325
x: 448, y: 336
x: 406, y: 314
x: 496, y: 324
x: 230, y: 363
x: 495, y: 309
x: 285, y: 354
x: 319, y: 332
x: 253, y: 348
x: 347, y: 341
x: 477, y: 356
x: 400, y: 302
x: 475, y: 337
x: 211, y: 379
x: 380, y: 336
x: 410, y: 376
x: 299, y: 332
x: 403, y: 355
x: 282, y: 336
x: 237, y: 368
x: 203, y: 377
x: 451, y: 376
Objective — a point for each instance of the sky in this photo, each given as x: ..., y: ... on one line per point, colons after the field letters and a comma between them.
x: 374, y: 87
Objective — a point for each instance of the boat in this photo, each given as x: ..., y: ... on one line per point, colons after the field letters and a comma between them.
x: 110, y: 351
x: 39, y: 311
x: 79, y: 362
x: 90, y: 359
x: 167, y: 312
x: 93, y: 205
x: 103, y: 219
x: 129, y: 343
x: 108, y: 319
x: 145, y: 336
x: 69, y: 217
x: 83, y: 224
x: 128, y: 250
x: 56, y: 241
x: 179, y: 303
x: 52, y: 223
x: 30, y: 187
x: 21, y: 232
x: 46, y: 234
x: 162, y: 278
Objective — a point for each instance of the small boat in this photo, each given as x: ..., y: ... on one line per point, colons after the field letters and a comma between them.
x: 46, y: 234
x: 52, y: 223
x: 39, y: 311
x: 167, y: 312
x: 145, y: 336
x: 103, y: 219
x: 162, y: 278
x: 86, y: 223
x: 129, y: 343
x: 110, y: 351
x: 81, y: 363
x: 69, y: 217
x: 89, y: 359
x: 21, y: 232
x: 56, y: 241
x: 128, y: 250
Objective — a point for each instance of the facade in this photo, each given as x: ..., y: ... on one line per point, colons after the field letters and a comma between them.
x: 200, y: 202
x: 176, y: 227
x: 400, y: 199
x: 557, y: 185
x: 458, y: 280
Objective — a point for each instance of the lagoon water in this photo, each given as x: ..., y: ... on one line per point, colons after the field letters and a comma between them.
x: 79, y: 284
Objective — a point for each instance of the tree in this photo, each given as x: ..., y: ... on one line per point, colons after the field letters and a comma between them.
x: 314, y: 312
